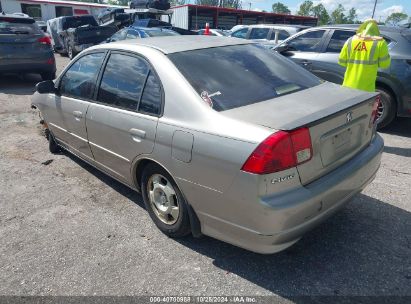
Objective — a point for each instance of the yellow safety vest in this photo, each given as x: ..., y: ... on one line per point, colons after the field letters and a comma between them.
x: 363, y: 56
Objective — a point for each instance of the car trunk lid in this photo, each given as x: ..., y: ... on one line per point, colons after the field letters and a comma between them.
x: 338, y: 119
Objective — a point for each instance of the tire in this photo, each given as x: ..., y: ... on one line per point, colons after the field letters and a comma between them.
x: 161, y: 204
x: 388, y: 109
x: 48, y: 76
x: 70, y: 52
x: 53, y: 146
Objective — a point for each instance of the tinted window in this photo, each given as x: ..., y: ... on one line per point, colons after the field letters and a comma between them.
x: 259, y: 33
x: 240, y: 33
x: 123, y: 81
x: 159, y: 33
x: 235, y: 76
x: 75, y: 22
x: 338, y: 39
x: 151, y: 99
x: 18, y: 26
x: 308, y: 42
x: 282, y: 35
x: 80, y: 78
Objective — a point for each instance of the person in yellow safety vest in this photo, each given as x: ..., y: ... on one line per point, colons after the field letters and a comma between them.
x: 363, y: 54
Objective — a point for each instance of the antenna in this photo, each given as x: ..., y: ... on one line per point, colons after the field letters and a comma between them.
x: 373, y: 11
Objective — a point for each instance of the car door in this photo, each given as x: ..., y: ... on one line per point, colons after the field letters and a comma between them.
x: 326, y: 66
x: 303, y: 49
x: 122, y: 123
x: 75, y: 90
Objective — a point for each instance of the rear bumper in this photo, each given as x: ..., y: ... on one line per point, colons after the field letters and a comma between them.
x: 285, y: 217
x: 32, y: 65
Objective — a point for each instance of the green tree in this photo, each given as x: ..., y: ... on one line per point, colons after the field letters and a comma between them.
x: 352, y: 16
x: 305, y: 8
x: 321, y: 13
x: 207, y: 2
x: 394, y: 18
x: 338, y: 16
x: 280, y: 8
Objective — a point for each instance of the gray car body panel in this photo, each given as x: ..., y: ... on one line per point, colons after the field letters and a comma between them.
x: 204, y: 150
x: 397, y: 78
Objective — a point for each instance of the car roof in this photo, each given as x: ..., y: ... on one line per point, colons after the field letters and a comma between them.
x: 279, y: 25
x: 383, y: 28
x: 176, y: 44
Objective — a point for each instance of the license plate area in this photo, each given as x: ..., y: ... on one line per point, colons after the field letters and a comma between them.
x: 340, y: 143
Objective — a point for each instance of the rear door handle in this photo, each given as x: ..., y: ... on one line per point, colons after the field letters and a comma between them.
x: 78, y: 115
x: 137, y: 134
x: 306, y: 62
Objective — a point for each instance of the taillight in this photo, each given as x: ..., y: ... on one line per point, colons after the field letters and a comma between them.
x: 280, y: 151
x: 374, y: 112
x: 44, y: 40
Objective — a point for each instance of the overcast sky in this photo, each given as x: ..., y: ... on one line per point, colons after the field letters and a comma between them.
x: 363, y: 7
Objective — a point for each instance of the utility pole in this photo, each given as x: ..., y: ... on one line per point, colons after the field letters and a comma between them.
x: 249, y: 8
x: 373, y: 11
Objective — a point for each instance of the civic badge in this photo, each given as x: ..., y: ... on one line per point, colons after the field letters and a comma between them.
x: 349, y: 117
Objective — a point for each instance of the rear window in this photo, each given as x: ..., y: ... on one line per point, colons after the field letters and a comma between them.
x: 158, y: 33
x: 235, y: 76
x: 74, y: 22
x: 18, y: 26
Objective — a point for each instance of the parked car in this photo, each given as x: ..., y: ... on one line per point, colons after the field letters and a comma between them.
x: 157, y: 4
x: 113, y: 15
x: 317, y: 50
x: 72, y: 34
x: 213, y: 32
x: 133, y: 32
x: 24, y: 48
x: 267, y: 34
x: 42, y: 25
x: 221, y: 136
x: 159, y: 23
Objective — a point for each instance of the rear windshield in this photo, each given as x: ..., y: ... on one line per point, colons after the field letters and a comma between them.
x: 74, y: 22
x: 18, y: 26
x: 235, y: 76
x: 159, y: 33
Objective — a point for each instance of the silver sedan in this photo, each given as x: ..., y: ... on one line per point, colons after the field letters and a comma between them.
x: 221, y: 136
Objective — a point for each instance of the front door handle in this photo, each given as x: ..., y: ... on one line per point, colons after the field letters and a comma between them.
x: 137, y: 134
x: 78, y: 115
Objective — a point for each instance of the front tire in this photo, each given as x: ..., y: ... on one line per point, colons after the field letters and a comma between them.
x: 71, y: 53
x: 164, y: 202
x: 387, y: 109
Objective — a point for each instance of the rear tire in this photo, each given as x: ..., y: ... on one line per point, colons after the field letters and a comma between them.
x: 388, y: 109
x: 164, y: 202
x: 70, y: 52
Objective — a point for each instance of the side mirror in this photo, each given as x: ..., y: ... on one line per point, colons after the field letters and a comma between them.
x: 282, y: 48
x: 46, y: 87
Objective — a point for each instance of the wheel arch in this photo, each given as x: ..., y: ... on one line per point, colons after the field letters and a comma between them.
x: 137, y: 174
x: 390, y: 90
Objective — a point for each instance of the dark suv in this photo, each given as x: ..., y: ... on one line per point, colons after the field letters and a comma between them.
x: 317, y: 50
x: 24, y: 47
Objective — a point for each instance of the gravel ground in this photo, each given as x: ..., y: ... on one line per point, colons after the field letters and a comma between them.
x: 67, y: 229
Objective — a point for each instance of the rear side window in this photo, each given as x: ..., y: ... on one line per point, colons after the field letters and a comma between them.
x: 337, y: 40
x: 18, y: 26
x: 308, y: 42
x: 80, y: 79
x: 282, y: 35
x: 129, y: 83
x: 151, y: 98
x: 235, y: 76
x: 240, y: 33
x: 123, y: 81
x: 259, y: 33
